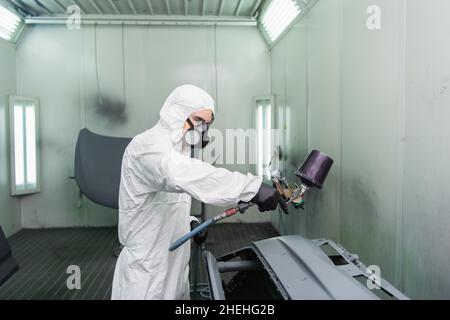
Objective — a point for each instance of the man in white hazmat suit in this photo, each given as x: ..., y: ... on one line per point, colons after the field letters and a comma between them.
x: 157, y: 181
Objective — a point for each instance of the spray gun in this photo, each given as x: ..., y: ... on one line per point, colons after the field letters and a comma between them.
x: 312, y: 174
x: 289, y: 193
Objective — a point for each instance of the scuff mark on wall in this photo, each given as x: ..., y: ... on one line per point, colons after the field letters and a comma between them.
x: 112, y: 109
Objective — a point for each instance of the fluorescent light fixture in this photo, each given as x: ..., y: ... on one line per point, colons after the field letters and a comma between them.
x: 24, y: 132
x: 9, y: 24
x: 19, y: 155
x: 278, y: 16
x: 260, y: 140
x: 263, y: 117
x: 30, y: 143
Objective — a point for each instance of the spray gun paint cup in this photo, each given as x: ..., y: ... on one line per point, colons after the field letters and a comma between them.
x: 314, y: 169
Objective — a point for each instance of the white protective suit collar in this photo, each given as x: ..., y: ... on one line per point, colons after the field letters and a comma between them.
x: 179, y: 105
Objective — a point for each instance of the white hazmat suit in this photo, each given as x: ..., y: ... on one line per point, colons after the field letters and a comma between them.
x: 157, y: 182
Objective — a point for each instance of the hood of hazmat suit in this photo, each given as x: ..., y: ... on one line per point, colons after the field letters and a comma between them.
x: 157, y: 182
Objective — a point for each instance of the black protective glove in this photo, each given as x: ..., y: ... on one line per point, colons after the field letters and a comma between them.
x: 267, y: 198
x: 200, y: 237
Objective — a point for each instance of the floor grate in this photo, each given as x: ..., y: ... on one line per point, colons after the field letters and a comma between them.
x: 45, y: 254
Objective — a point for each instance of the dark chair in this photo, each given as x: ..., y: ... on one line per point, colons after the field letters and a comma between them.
x: 98, y: 160
x: 8, y: 265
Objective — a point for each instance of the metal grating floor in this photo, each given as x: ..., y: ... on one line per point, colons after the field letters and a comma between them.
x: 45, y: 254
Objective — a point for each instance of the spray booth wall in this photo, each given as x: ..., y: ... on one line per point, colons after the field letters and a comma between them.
x: 59, y: 66
x: 378, y: 102
x: 10, y: 209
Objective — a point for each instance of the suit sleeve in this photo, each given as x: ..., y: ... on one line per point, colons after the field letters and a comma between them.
x: 211, y: 185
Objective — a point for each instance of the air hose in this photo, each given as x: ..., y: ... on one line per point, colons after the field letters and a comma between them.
x: 241, y: 207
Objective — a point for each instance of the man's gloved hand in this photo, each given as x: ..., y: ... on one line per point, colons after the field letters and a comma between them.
x: 267, y: 198
x: 201, y: 237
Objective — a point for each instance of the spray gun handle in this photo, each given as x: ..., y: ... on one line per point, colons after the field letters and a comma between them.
x: 285, y: 193
x: 283, y: 206
x: 243, y: 206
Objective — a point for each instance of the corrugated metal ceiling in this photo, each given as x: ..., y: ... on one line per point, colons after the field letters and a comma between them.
x: 187, y: 8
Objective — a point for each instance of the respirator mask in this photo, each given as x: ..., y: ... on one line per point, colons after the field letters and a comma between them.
x: 197, y: 134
